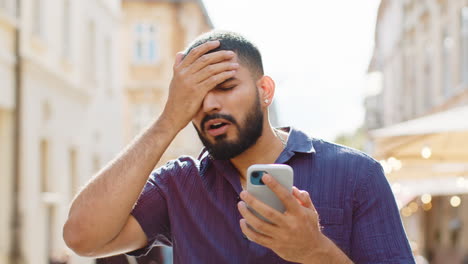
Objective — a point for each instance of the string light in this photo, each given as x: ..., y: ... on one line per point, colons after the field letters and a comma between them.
x: 427, y: 207
x: 413, y: 207
x: 426, y: 152
x: 426, y: 198
x: 455, y: 201
x: 406, y: 212
x: 391, y: 164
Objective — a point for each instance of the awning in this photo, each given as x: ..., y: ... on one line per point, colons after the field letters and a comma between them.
x: 406, y: 190
x: 445, y: 134
x: 453, y: 120
x: 430, y: 153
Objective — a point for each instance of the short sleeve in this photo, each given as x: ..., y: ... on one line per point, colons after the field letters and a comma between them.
x: 377, y: 235
x: 151, y: 213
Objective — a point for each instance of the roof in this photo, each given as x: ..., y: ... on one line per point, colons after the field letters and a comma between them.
x: 205, y: 13
x: 200, y: 3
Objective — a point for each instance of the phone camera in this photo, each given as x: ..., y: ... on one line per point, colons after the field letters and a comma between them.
x: 256, y: 178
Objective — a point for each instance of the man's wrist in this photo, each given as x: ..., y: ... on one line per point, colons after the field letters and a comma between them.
x: 169, y: 123
x: 327, y: 252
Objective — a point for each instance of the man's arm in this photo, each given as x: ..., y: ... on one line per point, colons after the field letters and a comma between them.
x: 101, y: 211
x: 102, y: 208
x: 130, y: 238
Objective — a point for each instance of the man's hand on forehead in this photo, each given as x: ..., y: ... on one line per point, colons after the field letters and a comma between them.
x: 194, y: 76
x: 199, y: 59
x: 201, y: 50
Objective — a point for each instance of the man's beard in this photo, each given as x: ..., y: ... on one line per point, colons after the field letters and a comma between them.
x: 248, y: 134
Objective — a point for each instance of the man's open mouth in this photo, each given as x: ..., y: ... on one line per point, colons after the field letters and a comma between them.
x: 216, y: 127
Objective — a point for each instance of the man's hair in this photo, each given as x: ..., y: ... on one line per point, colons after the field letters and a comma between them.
x: 247, y: 52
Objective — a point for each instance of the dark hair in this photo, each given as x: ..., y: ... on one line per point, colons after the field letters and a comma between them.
x: 247, y: 52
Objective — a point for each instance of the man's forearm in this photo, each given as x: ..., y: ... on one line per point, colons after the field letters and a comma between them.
x: 102, y: 208
x: 328, y: 253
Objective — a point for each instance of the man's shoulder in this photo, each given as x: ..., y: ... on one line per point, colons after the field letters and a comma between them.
x: 183, y: 165
x: 331, y: 151
x: 325, y: 150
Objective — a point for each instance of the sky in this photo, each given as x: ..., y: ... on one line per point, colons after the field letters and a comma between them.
x: 316, y: 51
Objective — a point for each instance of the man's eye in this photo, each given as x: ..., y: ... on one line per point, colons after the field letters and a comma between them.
x: 226, y: 88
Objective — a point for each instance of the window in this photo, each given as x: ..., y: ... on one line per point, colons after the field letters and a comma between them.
x: 51, y: 233
x: 66, y: 29
x: 427, y: 79
x: 464, y: 45
x: 447, y: 44
x: 45, y: 166
x: 74, y: 181
x: 146, y: 48
x: 108, y: 63
x: 3, y: 142
x: 37, y: 11
x: 8, y: 7
x: 96, y: 163
x: 427, y: 64
x: 90, y: 52
x: 411, y: 90
x: 3, y: 4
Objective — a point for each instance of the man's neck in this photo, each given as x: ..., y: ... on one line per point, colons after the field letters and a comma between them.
x: 265, y: 151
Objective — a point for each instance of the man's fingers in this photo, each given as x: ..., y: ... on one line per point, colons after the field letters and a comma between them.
x: 264, y: 210
x: 254, y: 236
x: 283, y: 194
x: 255, y: 222
x: 303, y: 197
x: 212, y: 58
x: 199, y: 51
x: 214, y: 69
x: 214, y: 80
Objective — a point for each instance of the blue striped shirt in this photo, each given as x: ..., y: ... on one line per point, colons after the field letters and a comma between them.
x: 191, y: 205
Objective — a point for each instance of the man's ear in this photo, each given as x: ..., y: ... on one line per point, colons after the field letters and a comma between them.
x: 266, y: 87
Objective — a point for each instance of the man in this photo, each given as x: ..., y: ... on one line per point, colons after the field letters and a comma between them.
x: 198, y: 206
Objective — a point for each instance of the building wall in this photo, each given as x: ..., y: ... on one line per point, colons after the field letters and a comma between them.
x: 419, y: 49
x: 7, y: 30
x: 147, y: 84
x: 71, y: 115
x: 74, y: 63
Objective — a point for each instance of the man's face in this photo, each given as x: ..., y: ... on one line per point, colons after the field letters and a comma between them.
x: 230, y: 119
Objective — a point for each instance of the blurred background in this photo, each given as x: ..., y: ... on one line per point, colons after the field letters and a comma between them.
x: 79, y: 79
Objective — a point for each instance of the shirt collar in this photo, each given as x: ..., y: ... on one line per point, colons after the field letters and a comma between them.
x: 298, y: 141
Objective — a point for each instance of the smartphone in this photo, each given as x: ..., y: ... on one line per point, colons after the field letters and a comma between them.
x: 280, y: 172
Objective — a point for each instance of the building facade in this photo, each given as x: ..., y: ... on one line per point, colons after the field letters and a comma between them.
x: 421, y: 50
x: 415, y: 120
x: 152, y: 33
x: 71, y: 108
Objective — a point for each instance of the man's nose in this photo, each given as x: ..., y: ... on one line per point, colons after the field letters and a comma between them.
x: 211, y: 103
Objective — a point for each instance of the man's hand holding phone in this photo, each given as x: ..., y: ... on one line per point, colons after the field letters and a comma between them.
x: 295, y: 234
